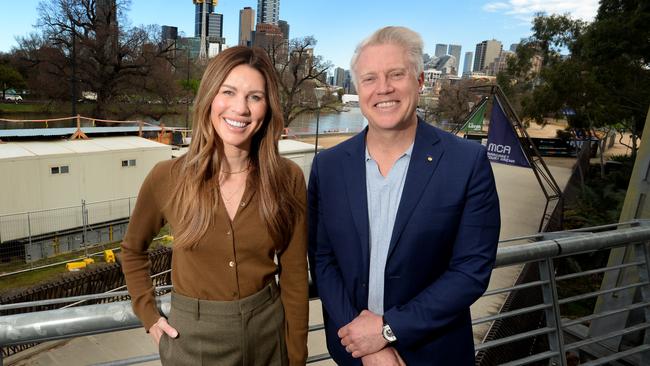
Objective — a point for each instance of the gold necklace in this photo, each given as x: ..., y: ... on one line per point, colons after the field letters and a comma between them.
x: 232, y: 195
x: 239, y: 171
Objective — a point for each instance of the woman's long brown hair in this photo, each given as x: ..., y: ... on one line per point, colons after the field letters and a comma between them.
x: 196, y: 195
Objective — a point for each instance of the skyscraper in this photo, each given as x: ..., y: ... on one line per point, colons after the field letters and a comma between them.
x: 269, y: 37
x: 169, y: 33
x: 486, y: 52
x: 454, y: 50
x: 198, y: 13
x: 441, y: 50
x: 268, y: 11
x: 246, y: 26
x: 284, y: 27
x: 467, y: 64
x: 208, y: 28
x: 339, y: 74
x: 215, y: 26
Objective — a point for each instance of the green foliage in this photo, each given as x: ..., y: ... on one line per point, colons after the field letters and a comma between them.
x: 10, y: 78
x: 191, y: 85
x: 601, y: 199
x: 604, y: 81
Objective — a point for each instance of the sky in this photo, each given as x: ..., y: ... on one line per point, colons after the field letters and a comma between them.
x: 338, y: 25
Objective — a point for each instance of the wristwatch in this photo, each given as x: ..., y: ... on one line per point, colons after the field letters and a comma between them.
x: 388, y: 333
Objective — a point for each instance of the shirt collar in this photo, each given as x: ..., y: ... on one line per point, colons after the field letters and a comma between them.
x: 406, y: 153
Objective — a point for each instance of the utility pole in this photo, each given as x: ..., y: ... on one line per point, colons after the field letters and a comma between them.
x: 73, y: 83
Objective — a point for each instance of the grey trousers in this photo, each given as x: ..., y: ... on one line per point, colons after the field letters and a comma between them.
x: 245, y: 332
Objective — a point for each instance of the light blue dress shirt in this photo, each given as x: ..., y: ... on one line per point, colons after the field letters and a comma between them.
x: 384, y: 194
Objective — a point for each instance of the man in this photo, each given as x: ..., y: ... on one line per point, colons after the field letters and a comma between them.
x: 404, y: 222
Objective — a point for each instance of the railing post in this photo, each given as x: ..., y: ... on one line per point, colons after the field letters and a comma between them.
x: 84, y: 222
x: 29, y: 233
x: 552, y: 314
x: 642, y: 255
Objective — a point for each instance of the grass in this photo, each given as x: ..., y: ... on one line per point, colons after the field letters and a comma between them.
x: 38, y: 276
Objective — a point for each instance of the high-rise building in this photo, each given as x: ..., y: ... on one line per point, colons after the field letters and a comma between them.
x: 441, y: 50
x: 486, y: 52
x: 454, y: 50
x: 268, y: 11
x: 169, y: 33
x: 215, y: 25
x: 467, y: 64
x: 348, y: 85
x: 513, y: 47
x: 500, y: 63
x: 246, y: 26
x: 269, y: 37
x: 284, y: 27
x: 198, y: 14
x: 208, y: 26
x: 339, y: 74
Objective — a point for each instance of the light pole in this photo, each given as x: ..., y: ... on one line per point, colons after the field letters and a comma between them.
x: 187, y: 86
x: 320, y: 93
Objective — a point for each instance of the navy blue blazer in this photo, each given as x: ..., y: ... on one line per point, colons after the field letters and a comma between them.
x: 441, y: 252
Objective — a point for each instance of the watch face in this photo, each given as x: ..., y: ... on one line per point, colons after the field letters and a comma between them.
x: 388, y: 334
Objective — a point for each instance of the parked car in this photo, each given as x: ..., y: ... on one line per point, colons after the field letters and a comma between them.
x: 13, y: 98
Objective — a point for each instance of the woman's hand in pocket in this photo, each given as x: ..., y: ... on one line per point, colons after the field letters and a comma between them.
x: 161, y: 326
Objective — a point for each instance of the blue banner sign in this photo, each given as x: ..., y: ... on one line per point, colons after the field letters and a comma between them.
x: 502, y: 144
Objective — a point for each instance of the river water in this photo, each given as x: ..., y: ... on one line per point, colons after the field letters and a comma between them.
x: 349, y: 121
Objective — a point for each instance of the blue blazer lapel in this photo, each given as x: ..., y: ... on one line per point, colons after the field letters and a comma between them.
x: 427, y: 151
x: 354, y: 175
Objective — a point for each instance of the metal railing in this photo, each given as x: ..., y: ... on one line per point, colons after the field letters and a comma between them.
x: 556, y: 336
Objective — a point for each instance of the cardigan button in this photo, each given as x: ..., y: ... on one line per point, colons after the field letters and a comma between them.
x: 231, y: 264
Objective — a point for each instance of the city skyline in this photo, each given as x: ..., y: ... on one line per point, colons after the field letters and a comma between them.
x: 329, y: 22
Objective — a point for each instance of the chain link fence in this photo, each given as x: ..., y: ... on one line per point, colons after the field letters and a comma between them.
x: 29, y: 239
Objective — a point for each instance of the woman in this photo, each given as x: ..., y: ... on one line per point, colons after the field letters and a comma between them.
x: 234, y: 205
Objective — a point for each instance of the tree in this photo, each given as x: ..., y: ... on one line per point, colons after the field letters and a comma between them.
x: 299, y: 72
x: 87, y: 44
x: 603, y: 82
x: 10, y: 78
x: 453, y: 103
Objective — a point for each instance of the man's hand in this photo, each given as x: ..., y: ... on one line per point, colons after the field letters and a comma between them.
x: 362, y: 336
x: 387, y: 356
x: 161, y: 326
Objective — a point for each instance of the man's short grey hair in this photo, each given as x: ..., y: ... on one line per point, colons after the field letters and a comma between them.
x: 400, y: 36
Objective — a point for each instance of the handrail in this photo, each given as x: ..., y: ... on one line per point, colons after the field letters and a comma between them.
x: 101, y: 318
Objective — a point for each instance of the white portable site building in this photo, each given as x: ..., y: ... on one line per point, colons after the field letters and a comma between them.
x: 49, y: 179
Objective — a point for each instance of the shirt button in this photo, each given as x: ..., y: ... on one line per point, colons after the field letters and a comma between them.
x: 243, y: 204
x: 231, y: 263
x: 228, y: 232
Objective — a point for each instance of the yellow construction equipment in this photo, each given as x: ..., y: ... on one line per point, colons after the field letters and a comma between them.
x: 109, y: 256
x: 75, y: 266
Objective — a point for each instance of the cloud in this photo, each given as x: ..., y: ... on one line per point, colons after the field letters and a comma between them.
x: 494, y: 7
x: 525, y: 10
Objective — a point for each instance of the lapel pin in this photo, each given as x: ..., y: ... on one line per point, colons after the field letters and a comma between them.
x: 429, y: 159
